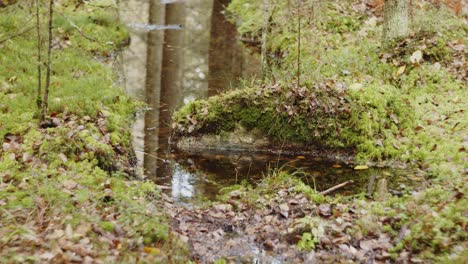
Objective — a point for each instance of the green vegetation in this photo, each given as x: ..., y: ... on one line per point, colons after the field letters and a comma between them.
x: 405, y: 102
x: 66, y: 191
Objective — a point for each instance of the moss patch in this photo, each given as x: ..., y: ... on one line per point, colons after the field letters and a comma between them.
x: 66, y: 192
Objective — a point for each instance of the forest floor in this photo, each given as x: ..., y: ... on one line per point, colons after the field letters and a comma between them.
x: 68, y: 192
x: 405, y: 102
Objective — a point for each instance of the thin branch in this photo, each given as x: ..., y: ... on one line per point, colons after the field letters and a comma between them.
x: 264, y: 39
x: 299, y: 44
x: 45, y: 103
x: 39, y: 57
x: 103, y: 6
x: 336, y: 187
x: 79, y: 29
x: 20, y: 33
x: 150, y: 155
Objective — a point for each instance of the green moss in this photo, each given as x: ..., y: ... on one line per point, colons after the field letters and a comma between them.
x: 71, y: 178
x: 107, y: 226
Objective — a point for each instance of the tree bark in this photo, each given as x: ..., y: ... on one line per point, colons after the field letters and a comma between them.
x: 225, y: 63
x: 396, y: 19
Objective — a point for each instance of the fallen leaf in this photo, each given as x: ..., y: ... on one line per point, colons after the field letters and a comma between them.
x: 401, y: 70
x: 361, y: 167
x: 416, y: 57
x: 324, y: 210
x: 63, y: 157
x: 152, y: 250
x: 419, y: 127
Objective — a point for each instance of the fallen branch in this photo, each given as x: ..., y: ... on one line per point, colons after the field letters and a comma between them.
x: 336, y: 187
x: 153, y: 156
x: 162, y: 187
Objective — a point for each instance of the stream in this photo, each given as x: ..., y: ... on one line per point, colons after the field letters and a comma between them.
x: 187, y: 54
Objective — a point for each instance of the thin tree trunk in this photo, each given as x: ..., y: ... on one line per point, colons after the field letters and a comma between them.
x: 264, y: 58
x: 45, y: 104
x: 153, y: 87
x: 396, y: 19
x: 225, y: 54
x: 39, y: 58
x: 299, y: 43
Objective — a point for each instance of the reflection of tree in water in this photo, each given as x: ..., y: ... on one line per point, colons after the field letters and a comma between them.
x: 177, y: 66
x: 163, y: 83
x: 153, y: 87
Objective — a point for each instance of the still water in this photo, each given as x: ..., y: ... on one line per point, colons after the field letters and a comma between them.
x: 189, y: 51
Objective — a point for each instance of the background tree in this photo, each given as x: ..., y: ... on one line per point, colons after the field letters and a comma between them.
x: 396, y: 19
x: 45, y: 101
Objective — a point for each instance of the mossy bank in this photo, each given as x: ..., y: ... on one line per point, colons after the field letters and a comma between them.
x: 400, y: 101
x: 67, y: 192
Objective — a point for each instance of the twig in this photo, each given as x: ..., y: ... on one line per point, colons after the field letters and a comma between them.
x: 45, y: 103
x: 79, y: 29
x: 17, y: 34
x: 150, y: 155
x: 39, y: 58
x: 336, y: 187
x: 162, y: 187
x: 103, y: 6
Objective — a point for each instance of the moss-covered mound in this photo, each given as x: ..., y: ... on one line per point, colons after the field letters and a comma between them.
x: 404, y: 100
x: 329, y: 114
x: 386, y: 101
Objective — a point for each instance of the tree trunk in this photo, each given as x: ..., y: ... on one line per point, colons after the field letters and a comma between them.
x: 225, y: 63
x: 39, y: 57
x: 264, y: 58
x: 396, y: 19
x: 153, y: 87
x: 45, y: 100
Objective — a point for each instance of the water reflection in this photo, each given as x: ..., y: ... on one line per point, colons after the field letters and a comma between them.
x: 167, y: 66
x: 210, y: 172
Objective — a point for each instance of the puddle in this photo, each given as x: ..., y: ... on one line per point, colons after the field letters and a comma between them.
x: 191, y: 178
x: 167, y: 68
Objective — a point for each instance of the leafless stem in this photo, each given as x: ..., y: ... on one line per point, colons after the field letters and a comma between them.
x: 39, y: 57
x: 79, y: 29
x: 45, y: 103
x: 264, y: 38
x: 299, y: 44
x: 20, y: 33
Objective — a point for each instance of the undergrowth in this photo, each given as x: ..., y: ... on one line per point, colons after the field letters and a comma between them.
x: 67, y: 192
x: 385, y: 101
